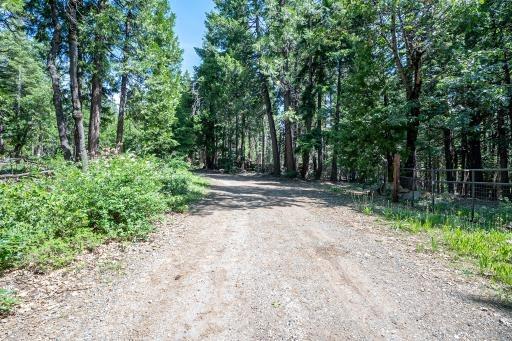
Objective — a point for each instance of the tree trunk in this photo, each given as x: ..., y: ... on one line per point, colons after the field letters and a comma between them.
x: 413, y: 125
x: 55, y: 78
x: 389, y: 167
x: 503, y: 151
x: 265, y: 92
x: 272, y: 126
x: 210, y: 145
x: 319, y: 144
x: 308, y: 122
x: 237, y: 159
x: 2, y: 145
x: 411, y: 79
x: 337, y: 114
x: 263, y: 144
x: 122, y: 111
x: 509, y: 84
x: 75, y: 83
x: 308, y: 119
x: 95, y: 116
x: 242, y: 143
x: 288, y: 137
x: 96, y: 88
x: 250, y: 146
x: 124, y: 84
x: 449, y: 157
x: 475, y: 146
x: 289, y: 157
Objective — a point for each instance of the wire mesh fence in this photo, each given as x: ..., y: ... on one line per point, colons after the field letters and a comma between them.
x: 482, y: 196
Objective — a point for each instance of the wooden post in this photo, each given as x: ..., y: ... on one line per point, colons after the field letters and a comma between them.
x: 396, y: 177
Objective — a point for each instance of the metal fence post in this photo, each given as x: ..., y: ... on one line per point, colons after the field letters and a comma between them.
x: 473, y: 195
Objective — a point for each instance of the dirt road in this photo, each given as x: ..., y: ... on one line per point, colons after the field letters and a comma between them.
x: 265, y: 260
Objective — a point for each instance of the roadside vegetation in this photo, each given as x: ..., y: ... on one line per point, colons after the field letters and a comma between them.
x: 7, y: 302
x: 485, y: 240
x: 45, y: 221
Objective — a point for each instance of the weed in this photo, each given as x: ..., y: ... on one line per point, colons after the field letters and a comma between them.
x: 368, y: 210
x: 434, y: 244
x: 7, y: 301
x: 420, y: 248
x: 111, y: 267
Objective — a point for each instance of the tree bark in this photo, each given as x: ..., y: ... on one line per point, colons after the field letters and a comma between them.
x: 124, y: 84
x: 308, y: 121
x: 508, y: 82
x: 210, y: 143
x: 272, y: 126
x: 75, y: 82
x: 505, y: 140
x: 242, y: 143
x: 449, y: 156
x: 475, y: 146
x: 413, y: 125
x: 122, y: 112
x: 95, y: 115
x: 288, y: 137
x: 55, y: 78
x: 2, y: 145
x: 96, y: 88
x: 263, y: 145
x: 289, y: 157
x: 411, y: 79
x: 503, y: 151
x: 337, y: 114
x: 319, y: 144
x: 265, y: 92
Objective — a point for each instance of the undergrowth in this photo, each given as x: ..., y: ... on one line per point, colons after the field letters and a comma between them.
x: 46, y: 221
x: 7, y: 301
x: 489, y: 246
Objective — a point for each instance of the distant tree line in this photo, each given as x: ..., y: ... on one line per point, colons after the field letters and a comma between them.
x: 337, y: 87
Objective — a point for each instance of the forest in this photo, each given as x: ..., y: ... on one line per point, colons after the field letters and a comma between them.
x: 314, y: 89
x: 324, y: 89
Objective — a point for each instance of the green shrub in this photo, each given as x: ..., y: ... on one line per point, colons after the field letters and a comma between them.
x: 45, y: 221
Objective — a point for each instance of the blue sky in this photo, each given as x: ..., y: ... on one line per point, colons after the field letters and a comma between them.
x: 190, y: 17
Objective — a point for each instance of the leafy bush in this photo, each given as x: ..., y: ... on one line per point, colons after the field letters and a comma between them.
x: 44, y: 221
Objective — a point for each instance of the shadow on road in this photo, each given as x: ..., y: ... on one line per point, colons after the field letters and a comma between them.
x: 493, y: 302
x: 246, y: 192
